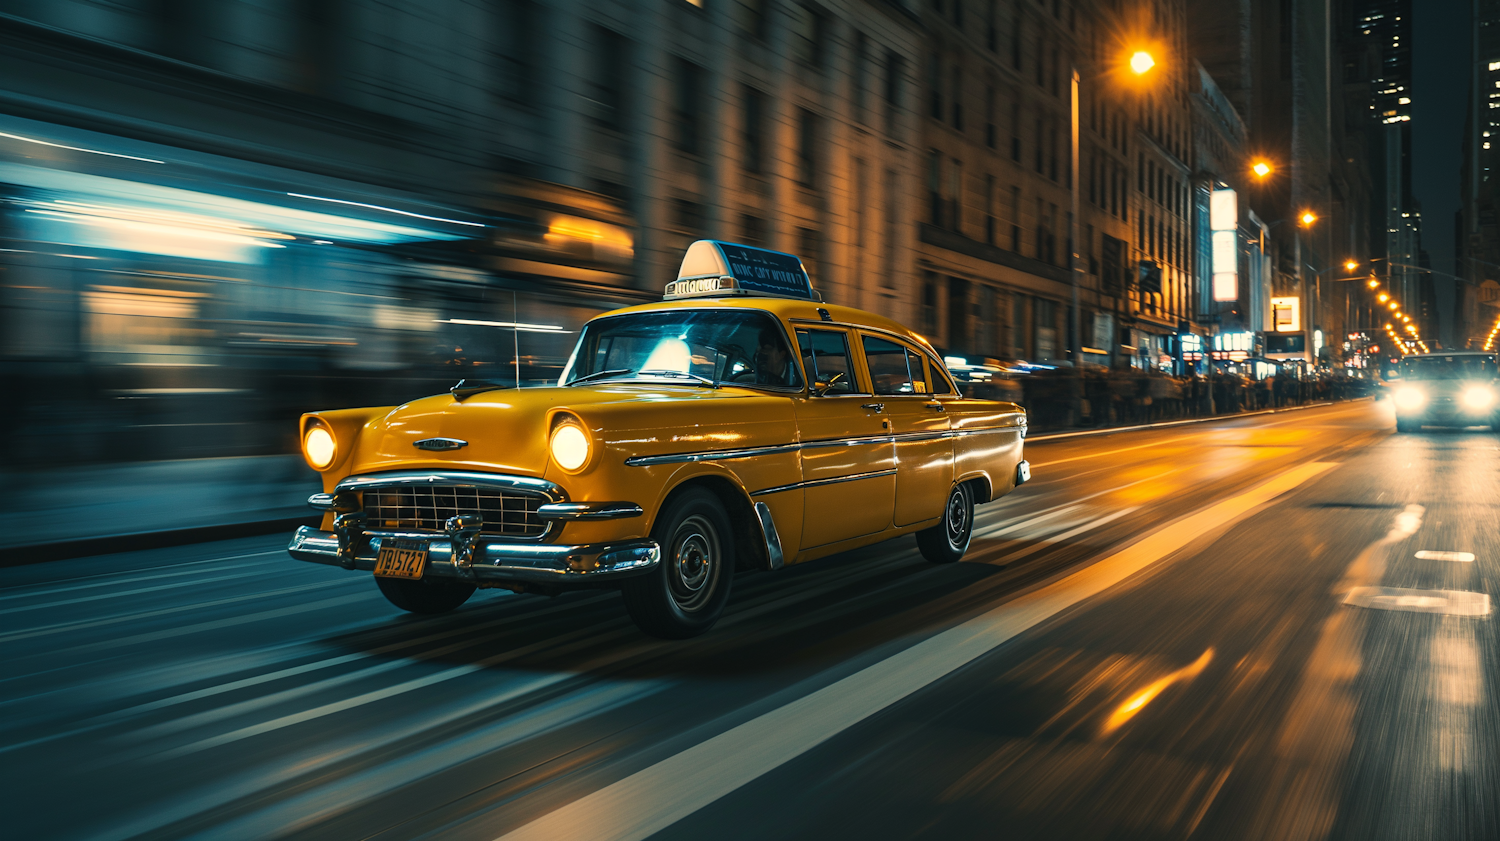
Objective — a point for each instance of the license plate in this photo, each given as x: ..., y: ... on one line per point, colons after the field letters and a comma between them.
x: 401, y: 559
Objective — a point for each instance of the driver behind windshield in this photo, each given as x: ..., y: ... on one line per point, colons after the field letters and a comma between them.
x: 773, y: 362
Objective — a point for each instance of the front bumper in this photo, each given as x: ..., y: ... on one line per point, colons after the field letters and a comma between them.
x: 496, y: 563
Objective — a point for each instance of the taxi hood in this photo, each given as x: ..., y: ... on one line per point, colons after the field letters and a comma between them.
x: 505, y: 430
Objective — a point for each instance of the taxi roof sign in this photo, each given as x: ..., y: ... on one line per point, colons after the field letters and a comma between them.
x: 711, y: 267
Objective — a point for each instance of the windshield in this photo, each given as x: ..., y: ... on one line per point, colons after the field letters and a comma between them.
x: 1448, y: 367
x: 737, y: 347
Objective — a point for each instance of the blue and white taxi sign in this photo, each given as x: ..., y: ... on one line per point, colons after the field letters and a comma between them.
x: 714, y: 268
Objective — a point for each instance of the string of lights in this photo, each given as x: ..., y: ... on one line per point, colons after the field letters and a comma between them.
x: 1401, y: 323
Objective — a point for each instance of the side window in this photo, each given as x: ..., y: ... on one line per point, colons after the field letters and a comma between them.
x: 825, y: 356
x: 891, y: 367
x: 936, y: 382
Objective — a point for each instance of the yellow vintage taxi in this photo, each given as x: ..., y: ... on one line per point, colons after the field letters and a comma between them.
x: 738, y: 424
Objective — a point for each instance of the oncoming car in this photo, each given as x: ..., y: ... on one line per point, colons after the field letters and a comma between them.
x: 1447, y: 389
x: 740, y: 423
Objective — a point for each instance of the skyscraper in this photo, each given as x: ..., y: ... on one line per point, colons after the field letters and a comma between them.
x: 1388, y: 23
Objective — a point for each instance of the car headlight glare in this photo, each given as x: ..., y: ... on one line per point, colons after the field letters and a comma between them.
x: 319, y: 447
x: 1479, y: 397
x: 1409, y: 398
x: 570, y: 446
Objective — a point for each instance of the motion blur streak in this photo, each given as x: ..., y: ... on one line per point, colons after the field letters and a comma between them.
x: 1134, y: 703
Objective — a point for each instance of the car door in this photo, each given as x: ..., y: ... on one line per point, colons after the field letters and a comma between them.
x: 919, y: 423
x: 848, y: 460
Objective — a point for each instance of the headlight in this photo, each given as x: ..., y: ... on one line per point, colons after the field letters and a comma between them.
x: 1479, y: 397
x: 570, y: 446
x: 1408, y: 397
x: 319, y: 447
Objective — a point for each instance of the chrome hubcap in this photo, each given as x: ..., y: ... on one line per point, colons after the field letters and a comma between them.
x: 957, y: 519
x: 694, y: 563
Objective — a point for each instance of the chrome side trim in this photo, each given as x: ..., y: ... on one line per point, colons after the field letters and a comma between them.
x: 853, y: 477
x: 774, y: 559
x: 776, y: 449
x: 461, y: 478
x: 589, y: 510
x: 712, y: 455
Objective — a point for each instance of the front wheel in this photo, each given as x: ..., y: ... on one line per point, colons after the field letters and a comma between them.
x: 686, y: 592
x: 423, y: 595
x: 947, y: 541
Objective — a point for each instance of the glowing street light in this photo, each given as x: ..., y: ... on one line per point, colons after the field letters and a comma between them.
x: 1351, y: 265
x: 1374, y: 284
x: 1141, y: 62
x: 1308, y: 217
x: 1384, y: 297
x: 1261, y: 169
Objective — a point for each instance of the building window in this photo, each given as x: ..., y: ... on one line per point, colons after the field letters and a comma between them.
x: 991, y: 131
x: 754, y: 130
x: 1052, y: 151
x: 958, y: 96
x: 935, y: 86
x: 930, y: 304
x: 991, y: 224
x: 1015, y: 219
x: 1015, y: 40
x: 753, y: 229
x: 808, y: 132
x: 895, y: 68
x: 809, y: 35
x: 688, y: 217
x: 861, y: 70
x: 516, y: 50
x: 609, y: 83
x: 752, y: 18
x: 955, y: 194
x: 1015, y: 130
x: 810, y: 249
x: 935, y: 187
x: 1041, y: 149
x: 687, y: 106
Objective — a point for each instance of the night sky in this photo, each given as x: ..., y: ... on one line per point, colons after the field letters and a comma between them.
x: 1440, y: 67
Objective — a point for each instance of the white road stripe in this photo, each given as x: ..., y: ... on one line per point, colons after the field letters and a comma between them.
x: 1456, y: 557
x: 654, y: 798
x: 124, y: 576
x: 1067, y: 535
x: 197, y: 582
x: 63, y: 627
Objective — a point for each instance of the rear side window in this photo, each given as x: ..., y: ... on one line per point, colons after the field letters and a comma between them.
x: 825, y: 357
x: 894, y: 369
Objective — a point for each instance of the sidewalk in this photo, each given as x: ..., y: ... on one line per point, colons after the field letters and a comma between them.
x: 74, y: 511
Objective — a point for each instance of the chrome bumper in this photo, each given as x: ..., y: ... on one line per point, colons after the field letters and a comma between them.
x: 496, y: 562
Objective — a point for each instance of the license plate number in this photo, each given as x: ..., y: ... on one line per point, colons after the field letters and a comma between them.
x: 401, y: 559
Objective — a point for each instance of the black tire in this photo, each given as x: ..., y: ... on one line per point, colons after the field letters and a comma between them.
x: 424, y: 595
x: 685, y: 594
x: 1407, y: 425
x: 947, y: 541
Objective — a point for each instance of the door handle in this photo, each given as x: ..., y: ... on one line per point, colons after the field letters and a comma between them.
x: 874, y: 407
x: 936, y: 407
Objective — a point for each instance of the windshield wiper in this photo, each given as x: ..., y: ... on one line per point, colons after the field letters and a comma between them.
x: 663, y: 372
x: 599, y: 375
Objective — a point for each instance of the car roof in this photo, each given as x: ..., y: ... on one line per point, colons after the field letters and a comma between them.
x: 787, y: 309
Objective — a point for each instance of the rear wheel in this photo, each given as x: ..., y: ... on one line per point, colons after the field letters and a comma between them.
x: 424, y: 595
x: 686, y: 592
x: 947, y: 541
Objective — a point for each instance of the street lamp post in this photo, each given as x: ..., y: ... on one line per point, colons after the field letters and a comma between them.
x: 1076, y: 260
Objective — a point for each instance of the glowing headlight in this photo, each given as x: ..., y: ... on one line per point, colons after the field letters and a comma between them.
x: 570, y: 447
x: 1478, y: 397
x: 319, y: 447
x: 1409, y: 398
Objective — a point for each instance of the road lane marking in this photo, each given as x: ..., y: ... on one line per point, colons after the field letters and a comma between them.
x: 654, y: 798
x: 119, y: 594
x: 1435, y: 555
x: 1112, y: 452
x: 63, y: 627
x: 1058, y: 538
x: 1024, y: 522
x: 68, y: 585
x: 1449, y: 602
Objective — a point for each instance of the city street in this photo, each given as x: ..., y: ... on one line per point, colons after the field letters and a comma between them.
x: 1206, y: 630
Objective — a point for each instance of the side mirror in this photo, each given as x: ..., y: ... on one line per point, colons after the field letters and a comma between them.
x: 822, y: 387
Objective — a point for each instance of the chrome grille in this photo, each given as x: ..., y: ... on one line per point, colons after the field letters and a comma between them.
x: 428, y: 507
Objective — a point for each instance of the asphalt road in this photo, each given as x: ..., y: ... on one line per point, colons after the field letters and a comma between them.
x: 1217, y: 630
